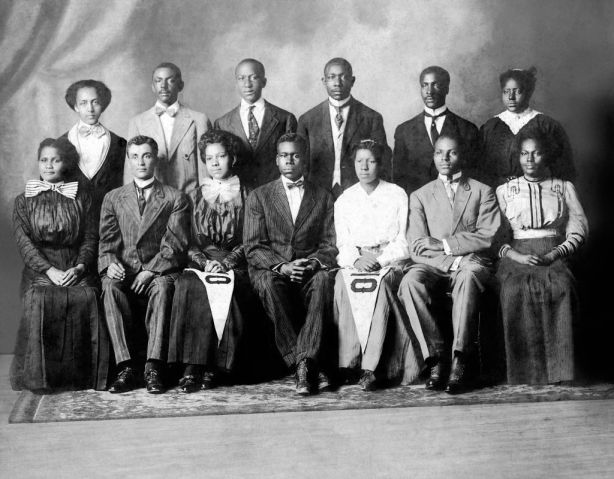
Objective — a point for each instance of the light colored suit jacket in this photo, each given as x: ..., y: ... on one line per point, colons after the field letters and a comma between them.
x: 468, y: 227
x: 270, y: 237
x: 156, y: 241
x: 179, y: 164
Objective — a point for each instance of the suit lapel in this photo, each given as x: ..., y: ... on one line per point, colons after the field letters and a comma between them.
x: 183, y: 120
x: 327, y: 131
x: 237, y: 126
x: 306, y: 207
x: 280, y: 202
x: 463, y: 193
x: 353, y: 122
x: 152, y: 209
x: 269, y: 123
x: 442, y: 202
x: 152, y: 124
x: 130, y: 203
x: 449, y: 125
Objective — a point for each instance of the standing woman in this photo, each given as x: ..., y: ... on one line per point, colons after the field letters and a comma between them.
x: 215, y: 246
x: 62, y: 341
x: 538, y: 294
x: 101, y: 152
x: 371, y: 227
x: 497, y: 135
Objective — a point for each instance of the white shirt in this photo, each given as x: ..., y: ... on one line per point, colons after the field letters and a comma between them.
x: 258, y: 113
x: 294, y: 195
x: 92, y: 149
x: 515, y: 121
x: 438, y: 121
x: 168, y: 122
x: 376, y: 222
x: 454, y: 185
x: 143, y: 184
x: 338, y: 133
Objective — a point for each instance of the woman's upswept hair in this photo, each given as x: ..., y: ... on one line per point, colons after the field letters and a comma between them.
x: 525, y: 78
x: 67, y: 152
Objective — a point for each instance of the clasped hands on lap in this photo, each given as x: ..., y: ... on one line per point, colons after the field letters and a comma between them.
x: 299, y: 270
x: 427, y: 243
x: 367, y: 263
x: 141, y: 280
x: 532, y: 259
x: 70, y: 277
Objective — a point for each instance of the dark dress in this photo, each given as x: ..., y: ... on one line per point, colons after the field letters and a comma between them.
x: 498, y: 163
x: 62, y: 340
x: 539, y: 303
x: 217, y: 230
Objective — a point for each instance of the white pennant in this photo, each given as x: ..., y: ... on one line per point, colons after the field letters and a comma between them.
x: 219, y: 288
x: 362, y: 289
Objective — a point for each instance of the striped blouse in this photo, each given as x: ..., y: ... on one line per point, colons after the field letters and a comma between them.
x: 538, y: 209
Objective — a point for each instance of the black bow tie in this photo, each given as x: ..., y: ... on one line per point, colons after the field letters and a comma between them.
x: 443, y: 113
x: 297, y: 184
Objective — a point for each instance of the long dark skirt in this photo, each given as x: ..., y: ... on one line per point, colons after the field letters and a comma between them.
x: 193, y: 339
x: 538, y: 305
x: 62, y: 342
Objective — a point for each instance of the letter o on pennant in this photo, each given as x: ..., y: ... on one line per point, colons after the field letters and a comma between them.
x: 363, y: 285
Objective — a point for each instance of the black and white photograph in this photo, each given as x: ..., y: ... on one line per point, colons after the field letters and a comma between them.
x: 306, y: 239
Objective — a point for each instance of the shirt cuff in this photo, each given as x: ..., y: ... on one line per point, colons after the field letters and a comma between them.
x: 277, y: 267
x: 456, y: 263
x: 446, y: 247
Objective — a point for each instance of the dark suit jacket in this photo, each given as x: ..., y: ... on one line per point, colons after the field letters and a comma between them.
x: 110, y: 174
x: 468, y: 227
x: 257, y: 166
x: 362, y: 123
x: 157, y: 241
x: 270, y: 238
x: 412, y: 164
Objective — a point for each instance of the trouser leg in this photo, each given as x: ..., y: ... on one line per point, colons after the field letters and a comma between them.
x: 118, y: 315
x: 157, y: 316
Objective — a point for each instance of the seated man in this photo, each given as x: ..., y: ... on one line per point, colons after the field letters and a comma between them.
x: 289, y: 242
x: 143, y: 238
x: 452, y: 222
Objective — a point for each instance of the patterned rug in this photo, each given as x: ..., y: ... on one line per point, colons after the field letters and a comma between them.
x: 274, y: 396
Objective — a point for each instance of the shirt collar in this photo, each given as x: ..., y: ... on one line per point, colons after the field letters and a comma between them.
x: 286, y: 181
x: 143, y: 183
x: 259, y: 104
x: 339, y: 103
x: 437, y: 111
x: 455, y: 177
x: 175, y: 106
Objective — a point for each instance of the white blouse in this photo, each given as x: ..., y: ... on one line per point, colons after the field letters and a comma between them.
x: 376, y: 223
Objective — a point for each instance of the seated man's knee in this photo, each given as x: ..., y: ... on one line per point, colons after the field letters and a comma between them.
x: 416, y: 274
x: 321, y: 279
x: 162, y: 285
x: 110, y: 285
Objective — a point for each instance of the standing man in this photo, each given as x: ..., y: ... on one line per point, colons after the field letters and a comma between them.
x: 175, y: 128
x: 334, y: 125
x: 452, y: 223
x: 412, y: 164
x: 257, y: 123
x: 144, y: 227
x: 289, y: 241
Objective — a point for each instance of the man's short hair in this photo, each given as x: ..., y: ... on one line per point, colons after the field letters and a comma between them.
x: 338, y: 61
x: 293, y: 138
x: 259, y: 65
x: 143, y: 140
x: 442, y: 73
x: 104, y: 94
x: 460, y: 144
x: 170, y: 66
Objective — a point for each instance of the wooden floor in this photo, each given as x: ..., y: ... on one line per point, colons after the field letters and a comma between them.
x: 561, y: 439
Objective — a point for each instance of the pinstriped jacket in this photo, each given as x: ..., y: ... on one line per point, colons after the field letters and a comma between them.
x: 270, y: 237
x: 156, y: 241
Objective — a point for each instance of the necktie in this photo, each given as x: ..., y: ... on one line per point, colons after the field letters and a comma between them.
x: 338, y: 117
x: 86, y: 130
x: 434, y: 132
x: 140, y: 196
x: 170, y: 111
x: 69, y: 190
x: 252, y: 125
x: 450, y: 190
x: 296, y: 184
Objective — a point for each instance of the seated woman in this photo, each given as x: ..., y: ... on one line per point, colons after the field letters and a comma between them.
x: 215, y: 246
x: 497, y: 135
x: 62, y: 340
x: 538, y: 295
x: 371, y: 224
x: 101, y: 152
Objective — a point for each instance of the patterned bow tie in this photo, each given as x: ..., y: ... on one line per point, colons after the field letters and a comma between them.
x: 296, y: 184
x: 34, y: 187
x: 170, y: 111
x: 97, y: 130
x: 225, y: 190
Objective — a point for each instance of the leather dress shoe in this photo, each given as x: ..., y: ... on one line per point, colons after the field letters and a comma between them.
x: 125, y: 381
x: 190, y: 383
x: 153, y: 381
x: 208, y: 381
x: 459, y: 378
x: 367, y: 380
x: 323, y: 382
x: 436, y: 380
x: 303, y: 388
